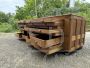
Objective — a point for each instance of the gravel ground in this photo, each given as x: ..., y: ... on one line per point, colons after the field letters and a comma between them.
x: 17, y: 54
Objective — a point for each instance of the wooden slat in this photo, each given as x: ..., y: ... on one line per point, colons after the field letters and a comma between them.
x: 45, y: 31
x: 45, y: 43
x: 52, y: 49
x: 73, y: 38
x: 76, y: 37
x: 67, y: 36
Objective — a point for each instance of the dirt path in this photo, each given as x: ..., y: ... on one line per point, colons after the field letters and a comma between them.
x: 17, y: 54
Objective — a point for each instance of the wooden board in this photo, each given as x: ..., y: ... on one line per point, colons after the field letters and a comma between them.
x: 21, y: 36
x: 51, y: 50
x: 54, y: 32
x: 43, y: 25
x: 21, y: 25
x: 45, y: 43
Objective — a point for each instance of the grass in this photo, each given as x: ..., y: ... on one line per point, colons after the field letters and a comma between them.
x: 5, y: 27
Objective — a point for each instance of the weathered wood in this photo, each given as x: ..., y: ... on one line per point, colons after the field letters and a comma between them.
x: 45, y: 25
x: 73, y: 33
x: 45, y: 43
x: 54, y: 32
x: 71, y: 27
x: 52, y: 49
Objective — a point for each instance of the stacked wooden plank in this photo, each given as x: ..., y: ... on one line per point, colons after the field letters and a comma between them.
x: 53, y: 34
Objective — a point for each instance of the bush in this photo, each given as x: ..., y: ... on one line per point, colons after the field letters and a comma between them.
x: 13, y: 21
x: 5, y: 27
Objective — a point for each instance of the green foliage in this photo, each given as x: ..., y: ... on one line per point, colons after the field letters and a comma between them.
x: 43, y: 8
x: 5, y: 27
x: 85, y: 11
x: 4, y: 17
x: 7, y: 22
x: 20, y: 14
x: 13, y: 22
x: 40, y: 8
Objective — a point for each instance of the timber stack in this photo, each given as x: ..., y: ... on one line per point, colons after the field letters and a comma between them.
x: 53, y: 34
